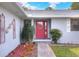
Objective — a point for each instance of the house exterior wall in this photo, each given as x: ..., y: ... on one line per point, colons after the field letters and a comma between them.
x: 63, y: 24
x: 10, y: 43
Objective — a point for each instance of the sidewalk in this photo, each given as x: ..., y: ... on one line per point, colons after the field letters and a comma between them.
x: 44, y: 50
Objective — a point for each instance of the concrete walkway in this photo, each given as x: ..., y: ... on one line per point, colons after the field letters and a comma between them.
x: 44, y: 50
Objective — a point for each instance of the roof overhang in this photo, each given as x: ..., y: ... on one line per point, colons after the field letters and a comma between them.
x: 14, y: 8
x: 52, y: 14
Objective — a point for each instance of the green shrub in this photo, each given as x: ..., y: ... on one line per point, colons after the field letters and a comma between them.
x: 55, y: 34
x: 27, y: 32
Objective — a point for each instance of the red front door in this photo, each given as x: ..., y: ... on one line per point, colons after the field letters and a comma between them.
x: 41, y: 29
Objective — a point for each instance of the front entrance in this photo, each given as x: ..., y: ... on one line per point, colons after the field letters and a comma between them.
x: 41, y: 29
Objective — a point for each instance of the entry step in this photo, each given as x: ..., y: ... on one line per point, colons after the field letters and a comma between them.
x: 42, y: 40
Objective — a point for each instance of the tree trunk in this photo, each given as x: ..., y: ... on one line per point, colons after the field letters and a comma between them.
x: 55, y: 41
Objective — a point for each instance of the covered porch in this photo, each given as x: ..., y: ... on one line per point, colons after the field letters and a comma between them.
x: 42, y: 28
x: 60, y: 19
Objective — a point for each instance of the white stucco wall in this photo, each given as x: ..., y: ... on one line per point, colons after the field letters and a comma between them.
x: 10, y: 43
x: 68, y: 36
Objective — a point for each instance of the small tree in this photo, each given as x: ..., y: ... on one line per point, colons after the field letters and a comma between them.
x: 27, y: 32
x: 49, y: 8
x: 75, y: 6
x: 55, y: 34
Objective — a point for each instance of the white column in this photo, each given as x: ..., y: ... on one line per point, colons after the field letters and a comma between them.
x: 32, y: 22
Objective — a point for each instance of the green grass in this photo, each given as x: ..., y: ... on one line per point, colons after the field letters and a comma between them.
x: 66, y: 51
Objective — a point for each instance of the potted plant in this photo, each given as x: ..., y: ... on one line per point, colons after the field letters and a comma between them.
x: 55, y: 34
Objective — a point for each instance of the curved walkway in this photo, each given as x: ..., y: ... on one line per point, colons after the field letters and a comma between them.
x: 44, y: 50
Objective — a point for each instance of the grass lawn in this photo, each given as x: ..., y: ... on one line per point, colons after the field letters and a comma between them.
x: 66, y: 51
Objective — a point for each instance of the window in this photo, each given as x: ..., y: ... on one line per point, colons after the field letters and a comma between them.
x: 75, y: 24
x: 14, y: 29
x: 2, y: 28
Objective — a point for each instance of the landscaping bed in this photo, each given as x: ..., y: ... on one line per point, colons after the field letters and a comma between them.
x: 24, y: 50
x: 66, y: 50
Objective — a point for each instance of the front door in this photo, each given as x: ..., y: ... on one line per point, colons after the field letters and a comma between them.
x: 41, y: 29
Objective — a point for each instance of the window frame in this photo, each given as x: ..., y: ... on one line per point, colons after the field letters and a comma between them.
x: 2, y: 28
x: 71, y: 25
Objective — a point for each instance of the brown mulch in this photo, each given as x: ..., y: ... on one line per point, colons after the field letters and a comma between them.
x: 24, y: 50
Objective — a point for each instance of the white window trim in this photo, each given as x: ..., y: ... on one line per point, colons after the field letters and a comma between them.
x: 68, y: 25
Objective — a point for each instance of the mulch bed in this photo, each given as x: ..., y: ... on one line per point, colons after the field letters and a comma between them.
x: 24, y: 50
